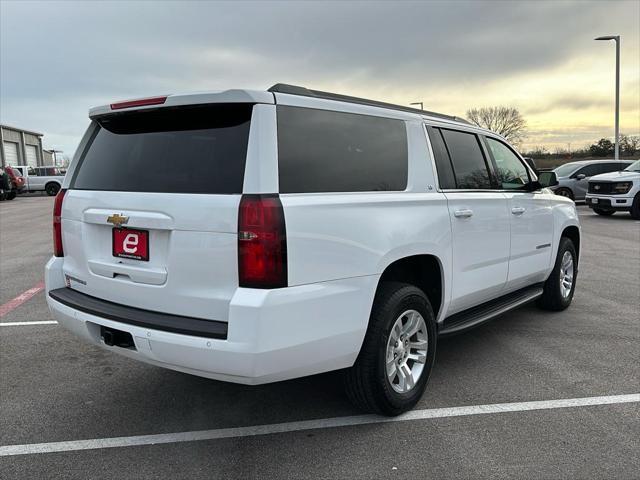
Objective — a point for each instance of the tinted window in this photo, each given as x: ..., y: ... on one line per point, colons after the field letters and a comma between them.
x: 324, y: 151
x: 511, y: 172
x: 446, y: 178
x: 468, y: 161
x: 590, y: 170
x: 613, y: 167
x: 199, y: 149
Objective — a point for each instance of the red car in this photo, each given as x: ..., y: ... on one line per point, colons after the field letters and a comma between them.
x: 17, y: 181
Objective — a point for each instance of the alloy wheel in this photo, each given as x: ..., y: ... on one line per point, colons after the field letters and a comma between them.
x: 406, y: 352
x: 566, y: 274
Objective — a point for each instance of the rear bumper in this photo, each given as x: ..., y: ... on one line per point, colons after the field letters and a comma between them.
x: 609, y: 202
x: 272, y: 335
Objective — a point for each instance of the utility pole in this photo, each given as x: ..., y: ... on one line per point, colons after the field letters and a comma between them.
x: 55, y: 158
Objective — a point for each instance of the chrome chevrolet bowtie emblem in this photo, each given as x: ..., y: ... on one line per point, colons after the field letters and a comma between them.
x: 117, y: 219
x: 597, y: 187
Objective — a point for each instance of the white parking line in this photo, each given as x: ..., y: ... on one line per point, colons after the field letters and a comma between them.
x: 200, y: 435
x: 22, y: 324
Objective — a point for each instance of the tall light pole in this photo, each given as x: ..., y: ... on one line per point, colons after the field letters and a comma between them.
x: 617, y: 133
x: 55, y: 158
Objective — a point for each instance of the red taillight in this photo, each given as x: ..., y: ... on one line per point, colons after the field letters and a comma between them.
x: 57, y: 224
x: 141, y: 102
x: 262, y: 242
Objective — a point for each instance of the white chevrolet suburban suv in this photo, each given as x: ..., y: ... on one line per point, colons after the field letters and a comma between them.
x: 616, y: 192
x: 258, y: 236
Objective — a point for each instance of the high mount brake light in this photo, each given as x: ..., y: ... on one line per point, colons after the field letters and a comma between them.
x: 141, y: 102
x: 262, y: 242
x: 58, y: 251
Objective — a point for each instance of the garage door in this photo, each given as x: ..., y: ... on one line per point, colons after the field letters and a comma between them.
x: 32, y: 156
x: 11, y: 153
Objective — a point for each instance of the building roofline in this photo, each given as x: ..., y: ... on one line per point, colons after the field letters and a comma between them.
x: 16, y: 129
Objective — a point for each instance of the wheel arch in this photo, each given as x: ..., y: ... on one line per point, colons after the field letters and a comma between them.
x: 424, y: 271
x: 572, y: 232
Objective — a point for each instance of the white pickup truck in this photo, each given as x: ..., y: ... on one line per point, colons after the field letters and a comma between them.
x: 616, y: 192
x: 38, y: 179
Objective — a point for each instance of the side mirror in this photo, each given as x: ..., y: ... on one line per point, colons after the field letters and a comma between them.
x: 548, y: 179
x: 581, y: 176
x: 533, y: 186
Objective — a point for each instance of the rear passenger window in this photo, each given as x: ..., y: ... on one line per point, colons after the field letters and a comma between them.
x: 446, y: 178
x: 326, y: 151
x: 614, y: 167
x: 469, y: 165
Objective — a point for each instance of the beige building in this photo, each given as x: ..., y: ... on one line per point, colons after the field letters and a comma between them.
x: 22, y: 147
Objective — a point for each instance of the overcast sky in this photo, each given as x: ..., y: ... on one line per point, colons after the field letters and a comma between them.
x: 57, y: 59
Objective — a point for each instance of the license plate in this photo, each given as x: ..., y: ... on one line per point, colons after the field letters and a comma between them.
x: 130, y: 243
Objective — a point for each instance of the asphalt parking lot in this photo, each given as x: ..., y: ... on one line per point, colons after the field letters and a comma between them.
x: 54, y: 388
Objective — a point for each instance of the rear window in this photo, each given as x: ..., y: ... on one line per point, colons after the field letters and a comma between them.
x: 196, y: 149
x: 468, y: 161
x: 326, y: 151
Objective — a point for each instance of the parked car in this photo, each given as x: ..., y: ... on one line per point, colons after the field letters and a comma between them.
x: 616, y: 192
x: 573, y: 178
x: 17, y: 180
x: 38, y: 179
x: 6, y: 188
x: 15, y: 183
x: 302, y: 232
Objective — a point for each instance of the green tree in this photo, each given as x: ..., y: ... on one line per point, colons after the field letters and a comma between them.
x: 603, y: 148
x: 629, y: 145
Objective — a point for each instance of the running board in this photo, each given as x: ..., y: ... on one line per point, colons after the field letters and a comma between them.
x: 475, y: 316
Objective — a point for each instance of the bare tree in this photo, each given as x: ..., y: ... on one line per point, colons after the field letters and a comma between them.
x: 505, y: 121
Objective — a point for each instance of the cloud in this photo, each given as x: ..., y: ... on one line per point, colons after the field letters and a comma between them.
x: 452, y: 55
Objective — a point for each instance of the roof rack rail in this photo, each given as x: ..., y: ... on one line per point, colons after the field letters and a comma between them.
x: 307, y: 92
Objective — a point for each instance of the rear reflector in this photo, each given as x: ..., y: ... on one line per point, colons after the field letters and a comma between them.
x: 262, y: 242
x: 57, y: 224
x: 141, y: 102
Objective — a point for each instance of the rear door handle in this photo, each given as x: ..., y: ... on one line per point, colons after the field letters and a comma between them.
x: 518, y: 210
x: 464, y: 213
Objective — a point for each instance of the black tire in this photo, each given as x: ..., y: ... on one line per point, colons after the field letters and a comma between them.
x: 11, y: 195
x: 635, y: 207
x: 52, y: 189
x: 605, y: 213
x: 565, y: 192
x: 552, y: 298
x: 366, y: 383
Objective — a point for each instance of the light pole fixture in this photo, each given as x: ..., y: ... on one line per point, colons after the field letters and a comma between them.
x: 617, y: 128
x: 55, y: 158
x: 418, y: 103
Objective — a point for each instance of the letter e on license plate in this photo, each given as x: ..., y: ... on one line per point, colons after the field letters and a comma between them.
x: 130, y: 243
